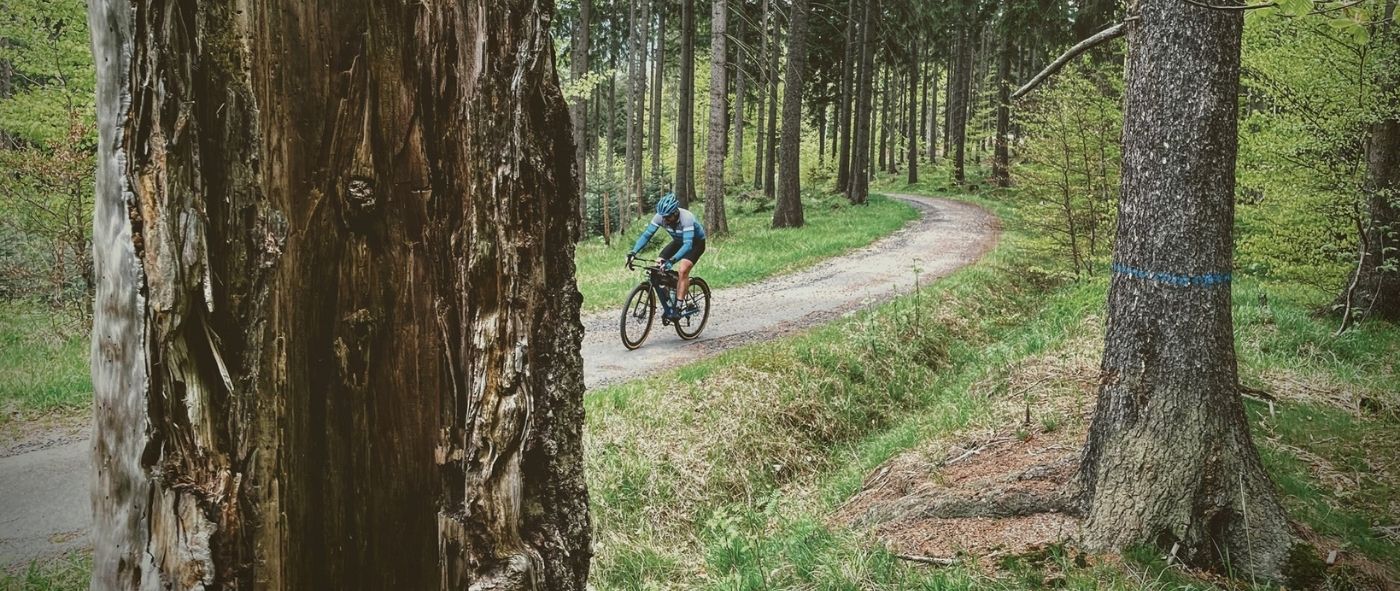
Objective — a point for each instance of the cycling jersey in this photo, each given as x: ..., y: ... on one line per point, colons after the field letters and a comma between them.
x: 687, y: 230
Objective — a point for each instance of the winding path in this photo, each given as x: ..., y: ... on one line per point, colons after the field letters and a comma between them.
x: 44, y: 499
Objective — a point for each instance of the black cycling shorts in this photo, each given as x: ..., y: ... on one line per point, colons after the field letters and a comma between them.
x: 697, y: 248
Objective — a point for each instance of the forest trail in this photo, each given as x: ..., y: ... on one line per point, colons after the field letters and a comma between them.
x: 44, y: 499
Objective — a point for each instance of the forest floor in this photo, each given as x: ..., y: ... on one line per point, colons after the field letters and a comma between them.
x: 38, y: 516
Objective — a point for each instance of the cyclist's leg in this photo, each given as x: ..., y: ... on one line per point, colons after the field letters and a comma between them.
x: 684, y: 266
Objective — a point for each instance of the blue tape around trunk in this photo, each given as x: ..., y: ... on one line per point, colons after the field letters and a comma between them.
x: 1207, y: 280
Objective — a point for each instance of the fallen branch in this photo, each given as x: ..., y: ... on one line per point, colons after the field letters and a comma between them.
x: 1108, y: 34
x: 935, y: 560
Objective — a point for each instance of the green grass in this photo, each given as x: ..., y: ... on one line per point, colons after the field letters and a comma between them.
x: 67, y: 573
x: 752, y: 251
x: 41, y: 370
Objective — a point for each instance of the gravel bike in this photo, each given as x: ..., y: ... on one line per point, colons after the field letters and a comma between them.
x: 689, y: 317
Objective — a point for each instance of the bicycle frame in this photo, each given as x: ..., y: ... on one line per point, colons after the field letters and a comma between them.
x: 657, y: 280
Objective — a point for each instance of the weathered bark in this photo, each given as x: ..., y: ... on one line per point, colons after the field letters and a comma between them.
x: 859, y: 193
x: 715, y: 220
x: 658, y: 64
x: 336, y: 335
x: 843, y: 112
x: 1169, y: 460
x: 787, y: 212
x: 770, y: 160
x: 1001, y: 158
x: 685, y: 117
x: 579, y: 111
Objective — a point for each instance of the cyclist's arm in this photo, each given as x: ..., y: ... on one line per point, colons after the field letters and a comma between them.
x: 687, y: 239
x: 646, y: 237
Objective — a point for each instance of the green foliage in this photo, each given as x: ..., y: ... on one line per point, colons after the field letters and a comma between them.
x: 1314, y: 86
x: 47, y: 141
x: 1071, y: 161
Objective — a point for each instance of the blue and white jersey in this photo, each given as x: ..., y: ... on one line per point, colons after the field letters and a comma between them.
x: 687, y: 230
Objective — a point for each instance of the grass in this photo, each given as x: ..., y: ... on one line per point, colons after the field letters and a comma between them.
x: 752, y: 251
x: 67, y: 573
x: 41, y: 370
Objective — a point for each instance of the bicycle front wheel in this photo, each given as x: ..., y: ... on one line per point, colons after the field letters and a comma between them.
x: 695, y: 311
x: 637, y: 315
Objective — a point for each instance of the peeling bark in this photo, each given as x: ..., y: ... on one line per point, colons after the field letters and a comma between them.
x: 336, y: 340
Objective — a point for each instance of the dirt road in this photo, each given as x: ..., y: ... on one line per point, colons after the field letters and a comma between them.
x: 44, y: 499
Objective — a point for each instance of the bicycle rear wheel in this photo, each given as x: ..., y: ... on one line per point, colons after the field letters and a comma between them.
x: 637, y: 315
x: 698, y: 296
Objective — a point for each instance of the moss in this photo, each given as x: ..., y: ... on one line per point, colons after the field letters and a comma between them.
x: 1304, y: 569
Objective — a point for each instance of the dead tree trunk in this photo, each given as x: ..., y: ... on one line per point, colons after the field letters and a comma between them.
x: 1169, y: 460
x: 715, y: 221
x: 787, y: 213
x: 336, y: 335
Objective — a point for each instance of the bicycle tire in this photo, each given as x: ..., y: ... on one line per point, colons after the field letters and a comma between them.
x: 698, y: 294
x: 640, y: 297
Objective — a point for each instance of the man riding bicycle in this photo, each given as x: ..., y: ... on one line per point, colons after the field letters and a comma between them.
x: 687, y: 242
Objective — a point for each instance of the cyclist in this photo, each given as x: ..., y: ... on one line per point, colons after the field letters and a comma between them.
x: 687, y: 242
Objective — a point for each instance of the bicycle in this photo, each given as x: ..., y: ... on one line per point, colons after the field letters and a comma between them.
x: 660, y: 285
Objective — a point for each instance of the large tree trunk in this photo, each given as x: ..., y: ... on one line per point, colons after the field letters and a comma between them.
x: 1169, y: 461
x: 1374, y: 289
x: 658, y: 65
x: 859, y: 193
x: 336, y: 341
x: 715, y: 220
x: 579, y: 111
x: 685, y: 116
x: 787, y: 213
x: 1001, y: 158
x: 843, y: 108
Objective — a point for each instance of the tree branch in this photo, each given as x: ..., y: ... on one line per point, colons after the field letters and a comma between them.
x: 1105, y: 35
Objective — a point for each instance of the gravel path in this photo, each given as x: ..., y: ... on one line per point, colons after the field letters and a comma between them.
x: 44, y: 498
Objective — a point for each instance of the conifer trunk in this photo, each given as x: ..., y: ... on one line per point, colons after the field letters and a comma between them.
x: 685, y: 116
x: 860, y: 158
x: 787, y: 213
x: 715, y: 221
x: 1170, y: 462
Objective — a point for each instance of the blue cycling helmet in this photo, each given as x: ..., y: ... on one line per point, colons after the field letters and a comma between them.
x: 667, y: 205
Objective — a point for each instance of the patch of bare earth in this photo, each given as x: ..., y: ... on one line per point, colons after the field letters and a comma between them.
x: 22, y: 432
x: 1006, y: 490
